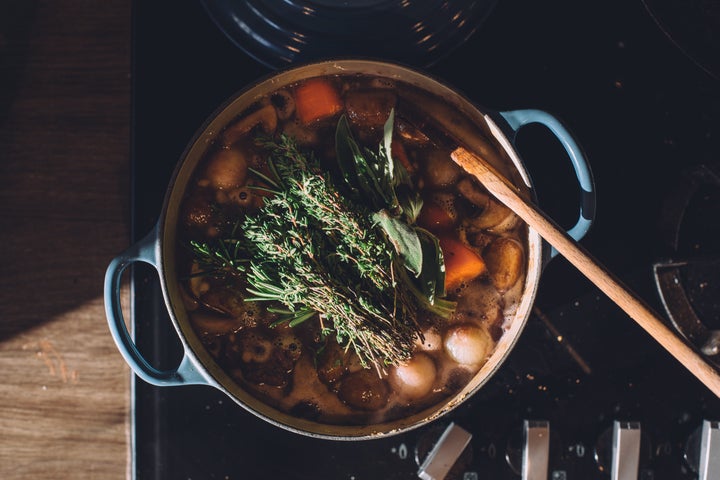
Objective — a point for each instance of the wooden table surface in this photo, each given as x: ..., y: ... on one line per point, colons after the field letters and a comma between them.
x: 64, y: 203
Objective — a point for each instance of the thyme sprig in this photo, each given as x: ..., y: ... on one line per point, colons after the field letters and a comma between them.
x: 354, y: 260
x: 315, y: 252
x: 220, y: 257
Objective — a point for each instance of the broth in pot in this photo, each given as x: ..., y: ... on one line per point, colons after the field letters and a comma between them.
x: 336, y: 263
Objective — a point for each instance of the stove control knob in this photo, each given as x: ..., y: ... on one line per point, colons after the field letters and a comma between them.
x: 702, y: 451
x: 625, y: 451
x: 531, y: 463
x: 536, y: 450
x: 621, y: 446
x: 445, y: 453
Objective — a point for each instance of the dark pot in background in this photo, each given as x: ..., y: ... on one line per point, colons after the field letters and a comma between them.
x: 292, y: 31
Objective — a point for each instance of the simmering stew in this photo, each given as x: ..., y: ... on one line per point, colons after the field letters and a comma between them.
x: 334, y: 260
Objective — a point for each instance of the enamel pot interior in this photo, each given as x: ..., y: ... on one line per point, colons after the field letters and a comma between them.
x: 460, y: 118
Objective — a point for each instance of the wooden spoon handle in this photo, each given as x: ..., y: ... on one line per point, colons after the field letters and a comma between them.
x: 501, y: 189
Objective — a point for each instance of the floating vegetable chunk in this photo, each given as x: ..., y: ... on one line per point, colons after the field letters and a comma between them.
x: 266, y: 118
x: 364, y: 390
x: 369, y: 108
x: 415, y: 378
x: 468, y: 344
x: 462, y: 263
x: 335, y: 261
x: 226, y: 169
x: 316, y: 99
x: 504, y: 259
x: 435, y: 217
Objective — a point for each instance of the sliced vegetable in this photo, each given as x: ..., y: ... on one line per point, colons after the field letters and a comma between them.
x: 411, y: 133
x: 473, y: 193
x: 266, y: 117
x: 493, y: 215
x: 504, y: 259
x: 369, y: 108
x: 434, y: 217
x: 439, y: 171
x: 462, y: 263
x: 315, y: 99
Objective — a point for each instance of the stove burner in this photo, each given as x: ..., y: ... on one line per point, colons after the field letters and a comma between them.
x: 688, y: 287
x: 580, y: 364
x: 681, y: 312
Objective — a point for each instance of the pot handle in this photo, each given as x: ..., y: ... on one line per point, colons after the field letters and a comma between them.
x: 146, y: 250
x: 516, y: 119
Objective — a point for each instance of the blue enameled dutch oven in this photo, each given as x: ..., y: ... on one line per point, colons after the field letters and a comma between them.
x: 489, y: 133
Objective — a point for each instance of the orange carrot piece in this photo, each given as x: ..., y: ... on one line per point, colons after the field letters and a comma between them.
x: 462, y: 263
x: 434, y: 217
x: 315, y: 99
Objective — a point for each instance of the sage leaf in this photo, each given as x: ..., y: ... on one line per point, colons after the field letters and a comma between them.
x: 410, y: 202
x: 346, y: 151
x: 443, y: 308
x: 368, y: 174
x: 385, y: 147
x: 432, y: 275
x: 404, y: 238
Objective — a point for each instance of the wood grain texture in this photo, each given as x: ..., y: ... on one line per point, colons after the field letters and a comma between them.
x: 611, y: 286
x: 64, y: 203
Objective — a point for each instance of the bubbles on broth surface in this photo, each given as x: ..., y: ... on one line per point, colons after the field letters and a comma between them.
x: 301, y: 370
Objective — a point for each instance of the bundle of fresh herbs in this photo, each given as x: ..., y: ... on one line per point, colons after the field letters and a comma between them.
x: 352, y: 256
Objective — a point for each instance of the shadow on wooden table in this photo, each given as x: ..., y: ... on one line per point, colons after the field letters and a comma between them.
x: 64, y: 146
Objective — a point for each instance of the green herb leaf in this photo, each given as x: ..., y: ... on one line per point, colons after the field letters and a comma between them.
x: 441, y: 307
x: 404, y: 238
x: 374, y: 184
x: 219, y: 258
x: 385, y: 147
x: 432, y: 276
x: 315, y: 253
x: 319, y: 254
x: 368, y: 174
x: 346, y: 151
x: 411, y: 203
x: 267, y: 179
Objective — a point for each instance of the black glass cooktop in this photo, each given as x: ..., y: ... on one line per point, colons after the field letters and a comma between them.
x: 644, y: 114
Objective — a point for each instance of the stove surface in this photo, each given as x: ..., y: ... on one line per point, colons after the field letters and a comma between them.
x: 643, y: 112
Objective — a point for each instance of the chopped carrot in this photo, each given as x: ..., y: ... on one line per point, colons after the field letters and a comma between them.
x: 434, y: 217
x: 399, y: 154
x: 462, y: 263
x: 315, y: 99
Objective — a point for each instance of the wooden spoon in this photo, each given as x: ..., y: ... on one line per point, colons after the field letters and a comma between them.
x: 501, y: 189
